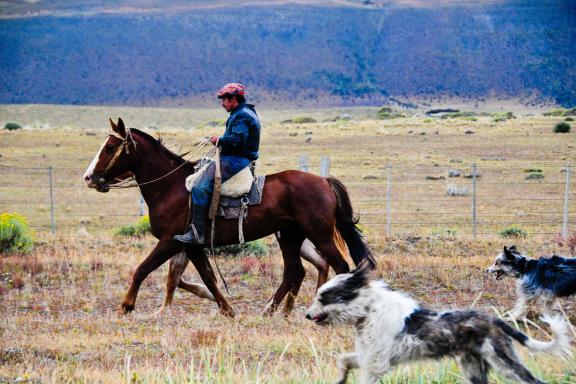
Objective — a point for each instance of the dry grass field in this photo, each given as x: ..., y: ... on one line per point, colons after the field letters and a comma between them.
x: 59, y: 304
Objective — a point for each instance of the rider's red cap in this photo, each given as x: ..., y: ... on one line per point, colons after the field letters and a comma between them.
x: 231, y: 89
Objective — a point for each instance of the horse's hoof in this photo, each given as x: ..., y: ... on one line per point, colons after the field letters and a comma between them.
x: 228, y: 313
x: 126, y: 308
x: 269, y: 309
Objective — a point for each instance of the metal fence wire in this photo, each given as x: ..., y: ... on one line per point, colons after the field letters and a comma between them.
x: 464, y: 199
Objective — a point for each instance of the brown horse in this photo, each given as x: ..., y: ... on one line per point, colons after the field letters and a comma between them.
x: 299, y: 205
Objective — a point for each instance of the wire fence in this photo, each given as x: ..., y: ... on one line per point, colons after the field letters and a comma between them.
x: 466, y: 199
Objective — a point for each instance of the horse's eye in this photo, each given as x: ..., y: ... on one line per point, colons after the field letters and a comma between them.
x: 108, y: 148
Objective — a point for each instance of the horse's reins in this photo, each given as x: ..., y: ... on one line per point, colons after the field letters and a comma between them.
x: 128, y: 183
x: 215, y: 197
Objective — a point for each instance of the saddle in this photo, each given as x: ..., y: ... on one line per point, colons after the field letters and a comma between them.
x: 237, y: 193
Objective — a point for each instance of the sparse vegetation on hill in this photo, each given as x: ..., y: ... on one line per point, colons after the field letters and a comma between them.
x: 561, y: 112
x: 181, y: 58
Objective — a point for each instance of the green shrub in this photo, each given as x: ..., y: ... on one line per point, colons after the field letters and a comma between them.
x: 533, y: 170
x: 15, y: 235
x: 386, y: 113
x: 138, y: 229
x: 562, y: 127
x: 12, y: 126
x: 535, y: 176
x: 569, y: 118
x: 254, y: 248
x: 512, y: 231
x: 303, y: 120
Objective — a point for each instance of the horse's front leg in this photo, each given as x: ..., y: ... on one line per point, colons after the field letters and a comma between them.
x: 164, y: 250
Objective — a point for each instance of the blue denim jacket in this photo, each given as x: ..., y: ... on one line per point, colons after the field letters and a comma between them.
x: 242, y: 135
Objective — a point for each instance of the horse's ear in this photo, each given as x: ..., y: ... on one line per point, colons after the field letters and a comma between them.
x: 112, y: 125
x: 121, y: 129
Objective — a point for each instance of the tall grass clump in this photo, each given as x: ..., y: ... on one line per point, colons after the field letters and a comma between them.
x: 138, y: 229
x: 303, y: 120
x: 502, y: 116
x: 562, y: 127
x: 15, y: 235
x: 513, y: 231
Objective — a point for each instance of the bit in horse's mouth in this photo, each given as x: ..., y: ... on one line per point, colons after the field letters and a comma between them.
x: 103, y: 188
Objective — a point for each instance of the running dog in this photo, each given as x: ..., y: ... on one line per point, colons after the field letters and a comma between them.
x: 546, y: 278
x: 392, y: 328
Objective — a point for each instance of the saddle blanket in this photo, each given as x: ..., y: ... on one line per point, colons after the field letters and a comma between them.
x: 236, y: 186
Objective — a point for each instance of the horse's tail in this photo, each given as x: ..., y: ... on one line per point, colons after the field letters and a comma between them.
x: 346, y: 224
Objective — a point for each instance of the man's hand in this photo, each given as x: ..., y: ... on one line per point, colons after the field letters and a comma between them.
x: 214, y: 139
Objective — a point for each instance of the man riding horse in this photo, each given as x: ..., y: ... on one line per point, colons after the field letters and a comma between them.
x: 239, y: 147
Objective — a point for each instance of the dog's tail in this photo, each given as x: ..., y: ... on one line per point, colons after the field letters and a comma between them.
x: 560, y: 343
x: 346, y: 225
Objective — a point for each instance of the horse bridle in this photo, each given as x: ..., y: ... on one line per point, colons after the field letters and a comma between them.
x: 123, y: 145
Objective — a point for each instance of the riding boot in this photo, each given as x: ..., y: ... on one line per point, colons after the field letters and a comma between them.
x: 197, y: 227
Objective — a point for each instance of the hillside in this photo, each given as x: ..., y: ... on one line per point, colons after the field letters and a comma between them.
x: 323, y: 53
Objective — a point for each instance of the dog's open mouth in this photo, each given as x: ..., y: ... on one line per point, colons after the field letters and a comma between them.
x: 319, y: 318
x: 499, y: 274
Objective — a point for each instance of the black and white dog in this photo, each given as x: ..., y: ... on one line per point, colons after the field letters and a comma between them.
x: 546, y: 278
x: 392, y: 328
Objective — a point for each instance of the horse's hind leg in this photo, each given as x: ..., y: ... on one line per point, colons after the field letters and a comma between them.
x: 199, y: 290
x: 327, y: 247
x: 308, y: 253
x: 290, y: 243
x: 174, y: 280
x: 177, y: 266
x: 200, y: 261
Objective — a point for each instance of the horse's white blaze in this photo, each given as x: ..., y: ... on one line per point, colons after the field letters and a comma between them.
x: 90, y: 171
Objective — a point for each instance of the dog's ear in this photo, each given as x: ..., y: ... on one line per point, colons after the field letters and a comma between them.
x: 508, y: 252
x: 364, y: 272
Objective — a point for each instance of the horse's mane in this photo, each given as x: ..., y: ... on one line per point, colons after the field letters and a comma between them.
x: 159, y: 144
